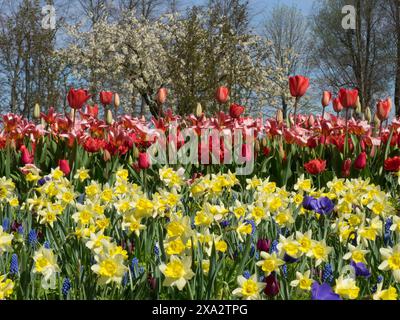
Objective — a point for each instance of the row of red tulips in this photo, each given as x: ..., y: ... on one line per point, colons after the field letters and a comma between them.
x: 283, y: 148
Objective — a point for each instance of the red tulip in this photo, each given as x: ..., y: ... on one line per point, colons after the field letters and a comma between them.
x: 77, y: 98
x: 315, y: 166
x: 392, y: 164
x: 144, y: 160
x: 272, y: 286
x: 93, y: 145
x: 106, y: 97
x: 26, y: 157
x: 361, y: 161
x: 346, y: 168
x: 337, y: 106
x: 266, y: 151
x: 312, y: 142
x: 162, y: 94
x: 222, y: 95
x: 64, y: 166
x: 326, y: 98
x: 236, y: 110
x: 348, y: 98
x: 298, y: 86
x: 383, y: 109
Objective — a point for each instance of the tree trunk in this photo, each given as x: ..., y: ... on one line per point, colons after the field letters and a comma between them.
x: 284, y: 107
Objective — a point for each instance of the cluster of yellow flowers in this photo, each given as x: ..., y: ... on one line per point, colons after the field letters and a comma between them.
x: 7, y: 192
x: 214, y: 216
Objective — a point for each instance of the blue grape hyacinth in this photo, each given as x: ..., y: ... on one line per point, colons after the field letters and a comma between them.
x: 327, y: 275
x: 66, y: 287
x: 14, y: 268
x: 32, y: 238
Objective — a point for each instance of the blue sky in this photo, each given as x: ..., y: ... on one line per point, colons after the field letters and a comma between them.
x: 259, y: 9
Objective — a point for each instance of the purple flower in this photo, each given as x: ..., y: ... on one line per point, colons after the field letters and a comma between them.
x: 310, y: 203
x: 323, y: 292
x: 272, y: 285
x: 263, y: 245
x: 289, y: 259
x: 324, y: 205
x: 360, y: 269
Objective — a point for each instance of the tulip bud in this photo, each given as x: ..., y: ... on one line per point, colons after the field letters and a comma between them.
x: 199, y: 110
x: 279, y: 116
x: 367, y: 114
x: 326, y: 98
x: 106, y: 155
x: 116, y: 101
x: 311, y: 120
x: 36, y: 111
x: 264, y: 142
x: 282, y: 152
x: 358, y: 105
x: 257, y: 146
x: 136, y: 153
x: 161, y: 97
x: 109, y: 117
x: 377, y: 122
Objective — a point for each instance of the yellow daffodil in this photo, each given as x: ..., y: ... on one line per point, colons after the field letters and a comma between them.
x: 6, y: 287
x: 46, y: 264
x: 347, y: 288
x: 82, y: 174
x: 302, y: 281
x: 387, y: 294
x: 357, y: 254
x: 270, y: 263
x: 5, y: 241
x: 391, y: 260
x: 177, y: 272
x: 249, y: 289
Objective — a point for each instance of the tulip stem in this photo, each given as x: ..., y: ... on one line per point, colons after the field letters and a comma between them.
x: 73, y: 123
x: 295, y: 109
x: 347, y: 132
x: 323, y: 112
